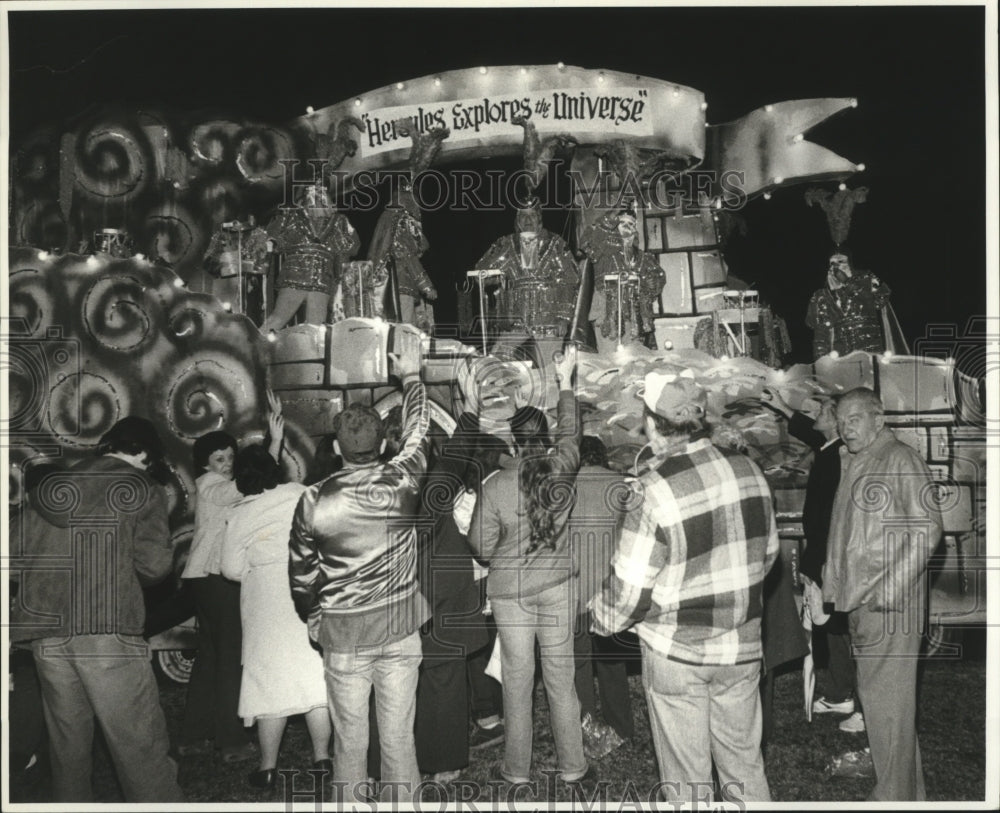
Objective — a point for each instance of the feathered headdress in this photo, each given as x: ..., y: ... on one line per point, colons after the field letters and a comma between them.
x: 336, y: 144
x: 538, y: 153
x: 425, y: 147
x: 629, y: 161
x: 838, y: 207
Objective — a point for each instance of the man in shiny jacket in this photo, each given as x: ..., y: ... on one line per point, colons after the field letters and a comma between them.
x: 353, y: 574
x: 885, y: 525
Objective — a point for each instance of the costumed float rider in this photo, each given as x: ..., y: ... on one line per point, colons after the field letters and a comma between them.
x: 848, y: 313
x: 612, y: 245
x: 237, y: 247
x: 540, y: 280
x: 314, y: 240
x: 399, y: 239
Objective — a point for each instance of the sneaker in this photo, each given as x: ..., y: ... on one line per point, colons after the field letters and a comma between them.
x: 485, y: 737
x: 824, y: 706
x: 855, y: 724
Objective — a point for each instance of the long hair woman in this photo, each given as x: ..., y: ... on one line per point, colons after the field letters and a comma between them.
x: 519, y: 529
x: 282, y: 673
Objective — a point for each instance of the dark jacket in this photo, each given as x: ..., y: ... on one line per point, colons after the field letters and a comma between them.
x: 91, y: 539
x: 446, y: 571
x: 601, y: 501
x: 821, y: 487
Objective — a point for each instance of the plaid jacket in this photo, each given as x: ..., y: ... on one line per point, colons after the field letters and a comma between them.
x: 689, y: 567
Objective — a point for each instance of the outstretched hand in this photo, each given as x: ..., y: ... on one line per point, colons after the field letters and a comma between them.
x: 275, y: 425
x: 409, y: 356
x: 565, y: 365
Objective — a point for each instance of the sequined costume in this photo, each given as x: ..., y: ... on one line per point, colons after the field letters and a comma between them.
x: 313, y: 248
x: 848, y: 317
x: 362, y: 290
x: 642, y: 281
x: 539, y: 289
x: 226, y: 245
x: 399, y: 240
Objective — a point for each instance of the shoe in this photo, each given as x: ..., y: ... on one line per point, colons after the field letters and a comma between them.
x: 445, y: 777
x: 499, y: 776
x: 192, y: 749
x: 824, y: 706
x: 599, y: 738
x: 238, y: 753
x: 855, y: 724
x: 587, y: 783
x: 262, y: 780
x: 485, y: 737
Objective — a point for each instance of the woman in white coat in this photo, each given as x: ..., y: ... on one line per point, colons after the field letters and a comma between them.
x: 282, y: 673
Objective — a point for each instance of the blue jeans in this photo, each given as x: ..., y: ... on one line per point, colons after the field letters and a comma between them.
x: 392, y: 670
x: 547, y: 616
x: 107, y: 677
x: 703, y: 713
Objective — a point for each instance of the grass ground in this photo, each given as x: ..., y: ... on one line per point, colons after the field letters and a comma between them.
x: 951, y: 724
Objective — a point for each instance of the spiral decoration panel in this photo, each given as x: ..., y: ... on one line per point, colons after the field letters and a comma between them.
x: 92, y: 340
x: 164, y: 179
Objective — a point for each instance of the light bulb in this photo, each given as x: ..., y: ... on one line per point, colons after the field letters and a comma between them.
x: 483, y: 69
x: 399, y: 85
x: 310, y: 110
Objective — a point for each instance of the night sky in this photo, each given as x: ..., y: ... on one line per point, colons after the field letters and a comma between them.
x: 918, y: 74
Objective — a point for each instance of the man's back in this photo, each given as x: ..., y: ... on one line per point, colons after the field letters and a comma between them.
x: 704, y: 528
x: 95, y: 534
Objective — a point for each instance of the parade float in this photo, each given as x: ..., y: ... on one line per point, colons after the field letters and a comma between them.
x: 174, y: 332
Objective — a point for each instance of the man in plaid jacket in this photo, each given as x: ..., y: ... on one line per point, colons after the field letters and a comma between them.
x: 688, y: 575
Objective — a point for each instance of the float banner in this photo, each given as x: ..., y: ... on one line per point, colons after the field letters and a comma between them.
x: 617, y: 112
x: 477, y: 106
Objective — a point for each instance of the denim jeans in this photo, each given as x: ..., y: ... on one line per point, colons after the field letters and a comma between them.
x: 392, y: 670
x: 547, y: 616
x: 701, y: 713
x: 104, y: 677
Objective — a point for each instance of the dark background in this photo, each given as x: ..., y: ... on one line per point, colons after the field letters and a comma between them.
x: 918, y: 74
